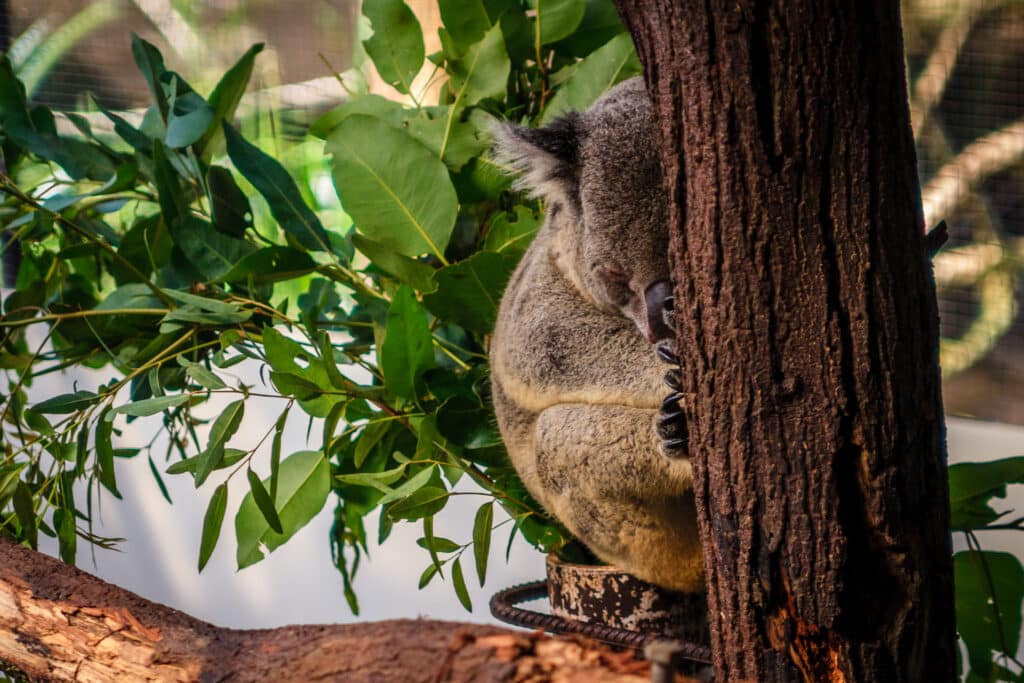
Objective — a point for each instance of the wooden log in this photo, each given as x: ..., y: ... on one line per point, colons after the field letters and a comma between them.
x: 58, y: 623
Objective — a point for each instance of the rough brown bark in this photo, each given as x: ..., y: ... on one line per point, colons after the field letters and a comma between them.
x: 809, y: 335
x: 60, y: 624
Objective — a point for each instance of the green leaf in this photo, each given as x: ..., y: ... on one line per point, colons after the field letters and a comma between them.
x: 201, y: 376
x: 407, y: 349
x: 378, y: 480
x: 210, y: 251
x: 173, y: 199
x: 375, y: 106
x: 600, y: 24
x: 66, y: 403
x: 512, y: 232
x: 466, y: 21
x: 429, y: 573
x: 293, y: 385
x: 225, y: 98
x: 152, y: 406
x: 425, y: 502
x: 370, y: 437
x: 224, y: 427
x: 264, y: 502
x: 439, y: 544
x: 232, y: 214
x: 483, y: 72
x: 275, y: 452
x: 468, y: 292
x: 418, y: 275
x: 410, y: 486
x: 272, y: 181
x: 67, y: 534
x: 151, y: 64
x: 459, y: 584
x: 979, y: 613
x: 970, y: 479
x: 25, y: 510
x: 396, y: 190
x: 556, y: 19
x: 231, y: 456
x: 482, y: 539
x: 396, y: 46
x: 455, y: 135
x: 270, y: 264
x: 189, y: 118
x: 212, y: 521
x: 305, y: 481
x: 159, y: 480
x: 105, y: 453
x: 613, y: 63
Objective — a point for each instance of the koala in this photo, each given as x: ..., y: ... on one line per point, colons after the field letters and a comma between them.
x: 576, y: 357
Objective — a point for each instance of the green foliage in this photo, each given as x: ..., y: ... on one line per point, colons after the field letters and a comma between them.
x: 173, y: 248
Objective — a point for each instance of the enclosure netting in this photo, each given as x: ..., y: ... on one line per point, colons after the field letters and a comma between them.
x: 966, y: 63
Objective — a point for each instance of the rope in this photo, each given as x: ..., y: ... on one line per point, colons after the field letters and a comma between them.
x: 503, y: 607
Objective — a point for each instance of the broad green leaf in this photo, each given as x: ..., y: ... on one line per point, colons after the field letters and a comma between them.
x: 455, y: 135
x: 131, y: 296
x: 212, y: 521
x: 188, y: 119
x: 293, y: 385
x: 225, y: 98
x: 370, y: 437
x: 232, y: 214
x: 272, y: 181
x: 193, y: 315
x: 468, y: 292
x: 283, y: 355
x: 556, y: 19
x: 270, y: 264
x: 407, y: 349
x: 482, y: 539
x: 263, y: 501
x: 66, y: 403
x: 466, y: 21
x: 205, y: 303
x: 415, y: 273
x: 483, y: 72
x: 459, y: 584
x: 25, y: 510
x: 600, y: 24
x: 152, y: 406
x: 979, y: 612
x: 396, y: 46
x: 970, y: 479
x: 613, y: 63
x: 513, y: 231
x: 212, y: 252
x: 375, y: 106
x: 304, y: 482
x: 224, y: 427
x: 396, y: 190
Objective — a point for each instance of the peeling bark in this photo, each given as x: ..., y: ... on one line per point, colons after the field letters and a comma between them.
x: 58, y: 623
x: 808, y: 333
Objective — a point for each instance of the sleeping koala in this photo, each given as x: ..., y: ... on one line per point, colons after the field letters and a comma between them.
x: 577, y: 385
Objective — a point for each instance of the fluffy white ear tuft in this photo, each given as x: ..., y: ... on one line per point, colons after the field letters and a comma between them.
x: 547, y: 158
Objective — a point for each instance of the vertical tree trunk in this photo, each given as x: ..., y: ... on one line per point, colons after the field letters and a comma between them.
x: 809, y: 335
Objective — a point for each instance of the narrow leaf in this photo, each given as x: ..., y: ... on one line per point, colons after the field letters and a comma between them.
x: 264, y: 502
x: 482, y: 539
x: 459, y: 584
x: 212, y: 522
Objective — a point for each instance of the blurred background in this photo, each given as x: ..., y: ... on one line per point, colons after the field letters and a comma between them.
x: 966, y: 66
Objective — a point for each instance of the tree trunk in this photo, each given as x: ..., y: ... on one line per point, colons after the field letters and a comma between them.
x: 60, y: 624
x: 808, y: 333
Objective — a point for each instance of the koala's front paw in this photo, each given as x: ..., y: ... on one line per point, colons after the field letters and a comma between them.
x: 671, y: 423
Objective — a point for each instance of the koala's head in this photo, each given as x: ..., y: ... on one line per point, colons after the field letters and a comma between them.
x: 599, y: 175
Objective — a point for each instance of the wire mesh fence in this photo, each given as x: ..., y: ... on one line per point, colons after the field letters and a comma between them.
x: 966, y: 66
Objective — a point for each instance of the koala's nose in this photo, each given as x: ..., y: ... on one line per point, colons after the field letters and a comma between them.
x: 655, y: 299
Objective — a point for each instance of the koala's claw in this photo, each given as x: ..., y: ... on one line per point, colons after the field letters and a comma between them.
x: 670, y: 426
x: 672, y: 380
x: 671, y: 402
x: 665, y: 352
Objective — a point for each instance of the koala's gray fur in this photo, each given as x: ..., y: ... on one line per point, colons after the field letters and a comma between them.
x: 576, y: 383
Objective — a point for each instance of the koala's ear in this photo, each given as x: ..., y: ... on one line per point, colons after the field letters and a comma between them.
x: 547, y: 158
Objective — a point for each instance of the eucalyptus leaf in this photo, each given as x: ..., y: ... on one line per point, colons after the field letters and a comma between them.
x: 459, y: 584
x: 988, y: 614
x: 482, y: 523
x: 396, y: 190
x: 611, y: 64
x: 212, y: 521
x: 213, y: 253
x: 64, y: 404
x: 407, y: 350
x: 225, y: 98
x: 467, y: 293
x: 556, y: 19
x: 263, y: 501
x: 396, y: 46
x: 304, y: 482
x: 483, y: 72
x: 152, y: 406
